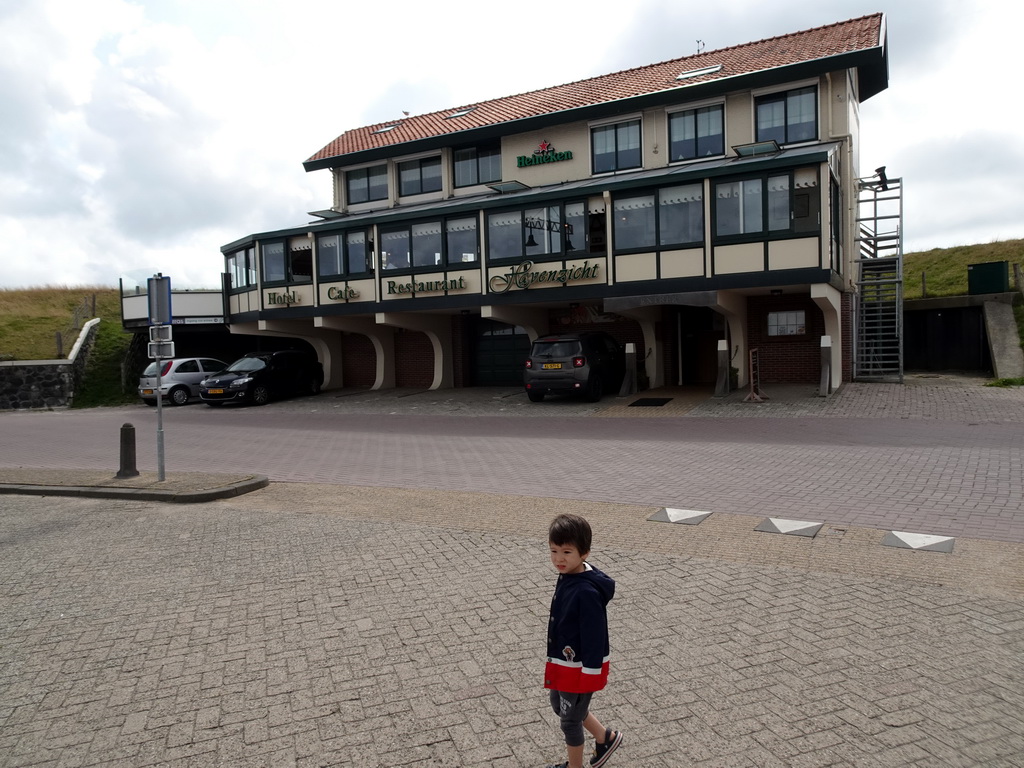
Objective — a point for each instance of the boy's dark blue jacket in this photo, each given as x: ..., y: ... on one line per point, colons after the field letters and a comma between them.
x: 578, y: 647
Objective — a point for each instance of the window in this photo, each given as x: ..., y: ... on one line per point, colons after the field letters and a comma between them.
x: 343, y: 254
x: 273, y: 262
x: 328, y: 255
x: 366, y: 184
x: 672, y: 216
x: 416, y: 177
x: 477, y: 165
x: 461, y: 240
x: 635, y: 222
x: 357, y: 255
x: 681, y: 214
x: 242, y: 268
x: 285, y: 262
x: 787, y: 323
x: 536, y: 232
x: 429, y: 244
x: 788, y: 117
x: 616, y: 147
x: 779, y: 203
x: 696, y: 133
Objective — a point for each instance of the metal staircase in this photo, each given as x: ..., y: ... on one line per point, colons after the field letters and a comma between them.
x: 878, y: 342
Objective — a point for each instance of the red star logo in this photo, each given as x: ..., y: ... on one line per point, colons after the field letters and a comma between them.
x: 544, y: 146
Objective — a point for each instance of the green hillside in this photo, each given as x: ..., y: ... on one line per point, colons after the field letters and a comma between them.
x: 943, y: 271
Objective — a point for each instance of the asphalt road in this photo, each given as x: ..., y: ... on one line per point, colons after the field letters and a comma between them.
x: 947, y: 475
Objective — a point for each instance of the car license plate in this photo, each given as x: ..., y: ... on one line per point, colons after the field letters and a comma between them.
x: 550, y: 366
x: 215, y: 391
x: 147, y: 391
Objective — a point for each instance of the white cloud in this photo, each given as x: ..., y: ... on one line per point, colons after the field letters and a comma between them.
x: 146, y: 134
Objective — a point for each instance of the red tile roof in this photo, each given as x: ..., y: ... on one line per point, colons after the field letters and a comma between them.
x: 809, y: 45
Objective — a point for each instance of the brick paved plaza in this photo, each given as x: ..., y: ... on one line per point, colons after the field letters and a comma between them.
x: 319, y: 623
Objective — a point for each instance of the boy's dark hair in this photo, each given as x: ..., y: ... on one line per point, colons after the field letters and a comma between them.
x: 571, y: 529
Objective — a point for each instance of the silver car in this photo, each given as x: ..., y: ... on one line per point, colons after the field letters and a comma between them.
x: 179, y: 379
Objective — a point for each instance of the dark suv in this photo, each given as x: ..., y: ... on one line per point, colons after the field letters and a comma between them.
x: 589, y: 364
x: 259, y: 377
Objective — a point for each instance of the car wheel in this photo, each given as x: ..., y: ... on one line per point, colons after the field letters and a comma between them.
x: 178, y: 396
x: 260, y: 395
x: 535, y: 397
x: 595, y: 389
x: 314, y: 386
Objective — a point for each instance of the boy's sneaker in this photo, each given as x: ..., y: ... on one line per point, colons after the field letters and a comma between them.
x: 612, y: 739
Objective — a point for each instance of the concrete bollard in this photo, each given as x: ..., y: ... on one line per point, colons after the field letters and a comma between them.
x: 127, y: 452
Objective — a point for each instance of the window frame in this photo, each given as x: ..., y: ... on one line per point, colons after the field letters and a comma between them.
x: 487, y: 150
x: 678, y: 116
x: 242, y: 264
x: 342, y: 258
x: 579, y: 240
x: 419, y: 164
x: 350, y: 176
x: 657, y: 242
x: 619, y: 163
x: 446, y: 262
x: 288, y: 261
x: 796, y: 318
x: 788, y: 127
x: 796, y: 227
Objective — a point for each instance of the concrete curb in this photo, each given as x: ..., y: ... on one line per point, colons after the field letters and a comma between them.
x: 144, y: 494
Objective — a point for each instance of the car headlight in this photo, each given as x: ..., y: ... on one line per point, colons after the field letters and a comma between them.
x: 205, y: 383
x: 239, y: 383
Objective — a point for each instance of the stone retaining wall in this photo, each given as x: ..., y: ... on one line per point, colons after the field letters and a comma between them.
x: 33, y: 384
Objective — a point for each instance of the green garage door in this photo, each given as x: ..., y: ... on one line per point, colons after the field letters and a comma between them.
x: 499, y: 353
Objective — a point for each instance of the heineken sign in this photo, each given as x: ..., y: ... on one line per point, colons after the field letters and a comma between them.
x: 545, y: 153
x: 523, y: 275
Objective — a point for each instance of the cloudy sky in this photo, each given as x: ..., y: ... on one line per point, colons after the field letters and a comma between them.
x: 139, y: 136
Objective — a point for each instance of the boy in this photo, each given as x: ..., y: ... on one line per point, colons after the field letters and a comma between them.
x: 578, y: 649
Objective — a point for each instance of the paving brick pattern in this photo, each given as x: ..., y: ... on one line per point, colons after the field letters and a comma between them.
x: 336, y: 626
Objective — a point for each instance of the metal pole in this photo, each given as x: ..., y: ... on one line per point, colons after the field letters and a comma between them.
x: 159, y: 424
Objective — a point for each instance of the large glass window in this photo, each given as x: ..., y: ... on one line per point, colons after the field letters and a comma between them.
x: 576, y: 227
x: 738, y: 207
x: 635, y: 222
x: 366, y: 184
x: 696, y: 133
x: 534, y: 233
x: 505, y: 235
x: 429, y: 244
x: 357, y: 255
x: 342, y: 254
x: 426, y: 244
x: 328, y: 255
x: 461, y: 240
x: 788, y: 117
x: 394, y: 249
x: 242, y: 268
x: 615, y: 147
x: 477, y: 165
x: 777, y: 203
x: 681, y: 214
x: 418, y: 176
x: 671, y: 216
x: 273, y: 262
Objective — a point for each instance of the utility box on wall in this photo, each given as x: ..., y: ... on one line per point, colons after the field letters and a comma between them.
x: 990, y: 277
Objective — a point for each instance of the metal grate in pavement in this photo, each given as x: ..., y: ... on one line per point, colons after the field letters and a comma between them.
x: 919, y: 541
x: 789, y: 527
x: 681, y: 516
